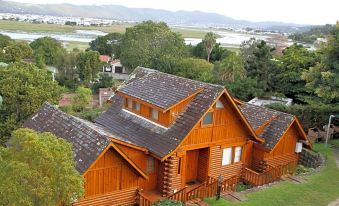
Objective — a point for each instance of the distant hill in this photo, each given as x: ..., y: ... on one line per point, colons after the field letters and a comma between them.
x: 138, y: 14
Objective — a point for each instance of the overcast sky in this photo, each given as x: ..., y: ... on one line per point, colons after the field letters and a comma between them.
x: 296, y: 11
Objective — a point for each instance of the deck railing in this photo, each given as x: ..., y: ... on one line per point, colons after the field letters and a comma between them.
x: 273, y: 173
x: 143, y: 200
x: 206, y: 189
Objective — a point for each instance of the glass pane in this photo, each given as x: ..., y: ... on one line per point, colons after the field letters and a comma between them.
x: 129, y: 103
x: 208, y: 119
x: 136, y: 106
x: 154, y: 114
x: 219, y: 105
x: 237, y: 154
x: 226, y: 156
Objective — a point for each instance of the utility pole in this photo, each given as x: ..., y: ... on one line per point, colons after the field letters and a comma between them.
x: 328, y: 129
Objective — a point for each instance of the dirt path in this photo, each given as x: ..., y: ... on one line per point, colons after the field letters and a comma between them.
x: 336, y: 155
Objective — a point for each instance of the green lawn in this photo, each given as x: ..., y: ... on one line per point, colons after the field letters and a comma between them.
x: 320, y: 189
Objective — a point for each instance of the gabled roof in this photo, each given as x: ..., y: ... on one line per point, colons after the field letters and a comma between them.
x: 88, y: 140
x: 276, y: 122
x: 158, y: 140
x: 160, y: 89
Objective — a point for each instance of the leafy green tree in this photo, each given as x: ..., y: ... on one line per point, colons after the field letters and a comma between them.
x: 258, y: 57
x: 197, y: 69
x: 46, y: 50
x: 210, y: 40
x: 5, y: 41
x: 104, y: 81
x: 230, y: 68
x: 108, y: 44
x: 24, y: 88
x: 16, y: 52
x: 323, y: 78
x: 82, y: 99
x: 294, y: 60
x: 153, y: 45
x: 245, y: 89
x: 218, y: 53
x: 89, y: 66
x: 38, y: 169
x: 67, y: 69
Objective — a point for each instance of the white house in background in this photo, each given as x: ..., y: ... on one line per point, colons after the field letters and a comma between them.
x: 262, y: 101
x: 115, y: 69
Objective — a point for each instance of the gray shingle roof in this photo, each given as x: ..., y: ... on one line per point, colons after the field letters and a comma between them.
x: 159, y: 89
x: 156, y: 139
x: 257, y: 116
x: 88, y: 139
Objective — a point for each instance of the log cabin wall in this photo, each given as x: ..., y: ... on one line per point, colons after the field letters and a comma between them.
x: 227, y: 128
x: 173, y: 174
x: 282, y: 153
x: 164, y: 118
x: 217, y: 168
x: 110, y: 173
x: 146, y: 163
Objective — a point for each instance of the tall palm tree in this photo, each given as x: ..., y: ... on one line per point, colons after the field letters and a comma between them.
x: 210, y: 40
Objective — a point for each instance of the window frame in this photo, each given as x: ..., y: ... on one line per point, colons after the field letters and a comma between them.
x: 220, y: 102
x: 230, y: 158
x: 129, y: 103
x: 235, y: 154
x: 134, y: 106
x: 151, y: 114
x: 150, y: 165
x: 212, y: 119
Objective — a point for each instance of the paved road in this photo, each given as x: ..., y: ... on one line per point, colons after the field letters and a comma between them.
x: 336, y: 154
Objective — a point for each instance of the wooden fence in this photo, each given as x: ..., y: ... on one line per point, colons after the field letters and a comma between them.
x: 273, y: 173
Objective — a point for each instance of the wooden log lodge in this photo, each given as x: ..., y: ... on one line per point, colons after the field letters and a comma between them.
x: 170, y: 137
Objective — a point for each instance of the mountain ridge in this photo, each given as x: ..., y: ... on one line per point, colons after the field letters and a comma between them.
x: 123, y: 13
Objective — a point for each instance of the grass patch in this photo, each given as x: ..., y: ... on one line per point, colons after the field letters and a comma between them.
x: 82, y: 46
x: 56, y: 28
x: 320, y: 189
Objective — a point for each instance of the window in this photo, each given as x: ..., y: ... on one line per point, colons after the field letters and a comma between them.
x: 226, y: 156
x: 118, y: 69
x: 154, y: 114
x: 129, y: 103
x: 150, y: 165
x: 219, y: 105
x: 208, y: 119
x: 136, y: 106
x: 179, y: 166
x: 237, y: 154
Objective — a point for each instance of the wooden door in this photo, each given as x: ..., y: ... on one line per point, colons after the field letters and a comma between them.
x: 192, y: 158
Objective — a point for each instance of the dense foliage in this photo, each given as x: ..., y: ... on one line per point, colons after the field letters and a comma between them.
x: 152, y: 45
x: 46, y: 51
x: 24, y: 88
x: 108, y: 44
x: 168, y: 203
x: 38, y: 169
x: 314, y: 33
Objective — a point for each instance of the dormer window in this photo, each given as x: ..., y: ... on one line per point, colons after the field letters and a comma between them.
x: 136, y: 106
x: 219, y: 105
x: 129, y: 103
x: 154, y: 114
x: 208, y: 119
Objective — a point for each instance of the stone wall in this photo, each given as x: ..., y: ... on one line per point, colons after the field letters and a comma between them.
x: 309, y: 158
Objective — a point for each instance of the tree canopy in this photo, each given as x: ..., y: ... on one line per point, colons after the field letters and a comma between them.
x: 46, y: 50
x: 24, y: 88
x: 323, y: 78
x: 151, y: 44
x: 108, y: 44
x: 89, y: 66
x: 38, y: 169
